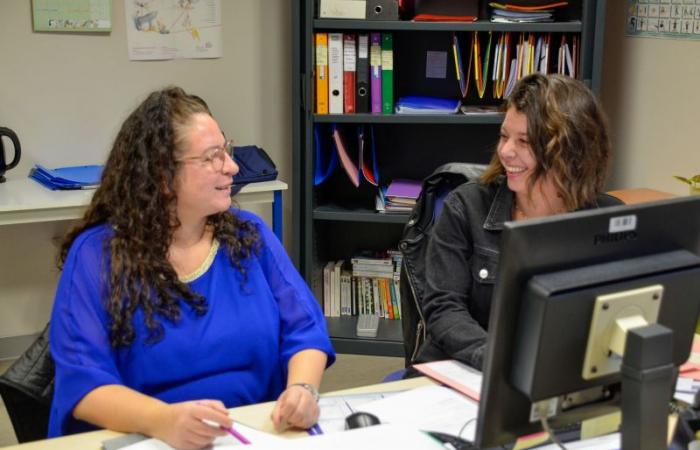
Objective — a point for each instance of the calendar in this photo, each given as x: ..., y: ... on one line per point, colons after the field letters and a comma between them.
x: 677, y: 19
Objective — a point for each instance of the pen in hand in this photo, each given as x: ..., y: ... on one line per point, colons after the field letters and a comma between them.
x: 230, y: 430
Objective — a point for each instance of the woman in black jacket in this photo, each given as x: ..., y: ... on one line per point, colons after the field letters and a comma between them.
x: 551, y: 158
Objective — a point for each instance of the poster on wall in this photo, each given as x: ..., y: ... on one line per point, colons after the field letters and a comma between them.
x: 72, y: 15
x: 171, y: 29
x: 675, y: 19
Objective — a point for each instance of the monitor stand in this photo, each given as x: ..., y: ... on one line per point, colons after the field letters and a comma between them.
x: 647, y: 383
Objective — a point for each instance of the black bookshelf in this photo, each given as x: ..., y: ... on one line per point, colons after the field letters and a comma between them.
x: 334, y: 219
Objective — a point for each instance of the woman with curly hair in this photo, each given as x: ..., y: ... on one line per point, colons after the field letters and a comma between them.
x: 172, y: 306
x: 551, y: 158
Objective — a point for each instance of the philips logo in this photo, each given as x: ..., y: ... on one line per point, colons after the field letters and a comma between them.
x: 608, y: 238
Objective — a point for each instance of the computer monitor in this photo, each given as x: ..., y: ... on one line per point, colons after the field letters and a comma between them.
x: 555, y: 274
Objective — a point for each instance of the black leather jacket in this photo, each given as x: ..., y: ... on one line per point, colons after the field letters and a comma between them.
x: 461, y: 266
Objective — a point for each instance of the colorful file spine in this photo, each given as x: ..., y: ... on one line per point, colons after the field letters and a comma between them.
x: 321, y: 73
x: 335, y: 69
x: 362, y: 94
x: 387, y: 73
x: 375, y: 63
x: 349, y: 71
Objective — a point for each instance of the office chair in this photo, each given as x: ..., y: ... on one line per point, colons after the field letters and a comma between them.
x: 27, y: 389
x: 413, y: 245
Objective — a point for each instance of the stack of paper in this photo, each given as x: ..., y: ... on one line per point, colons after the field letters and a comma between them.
x: 401, y: 195
x: 506, y: 12
x: 66, y: 178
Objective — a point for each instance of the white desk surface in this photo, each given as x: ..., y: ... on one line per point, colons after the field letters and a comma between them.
x: 256, y: 416
x: 23, y: 200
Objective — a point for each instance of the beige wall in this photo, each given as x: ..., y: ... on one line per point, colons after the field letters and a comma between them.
x: 651, y: 92
x: 66, y: 94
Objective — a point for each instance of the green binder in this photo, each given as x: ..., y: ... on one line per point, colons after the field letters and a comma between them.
x: 387, y: 74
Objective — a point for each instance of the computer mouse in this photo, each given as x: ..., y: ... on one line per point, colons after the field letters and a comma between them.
x: 360, y: 419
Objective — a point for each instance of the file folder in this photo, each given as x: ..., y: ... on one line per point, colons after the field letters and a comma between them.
x: 321, y: 73
x: 67, y: 178
x: 362, y: 93
x: 335, y: 69
x: 387, y: 73
x: 349, y: 71
x: 375, y: 62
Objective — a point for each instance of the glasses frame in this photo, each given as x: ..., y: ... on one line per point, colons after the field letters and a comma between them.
x: 215, y: 156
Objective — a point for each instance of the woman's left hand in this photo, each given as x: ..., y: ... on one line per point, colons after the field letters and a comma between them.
x: 295, y: 407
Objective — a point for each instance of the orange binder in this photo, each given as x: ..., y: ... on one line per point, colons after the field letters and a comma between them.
x: 321, y: 73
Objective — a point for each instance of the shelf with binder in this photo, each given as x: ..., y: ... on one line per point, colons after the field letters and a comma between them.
x: 457, y: 119
x: 573, y: 26
x: 337, y: 217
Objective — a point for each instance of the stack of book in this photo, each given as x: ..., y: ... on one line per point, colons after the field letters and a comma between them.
x: 372, y: 287
x: 401, y: 195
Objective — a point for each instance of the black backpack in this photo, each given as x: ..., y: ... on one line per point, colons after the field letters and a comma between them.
x: 413, y: 246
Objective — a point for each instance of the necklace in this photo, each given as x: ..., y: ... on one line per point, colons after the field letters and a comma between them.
x: 518, y: 211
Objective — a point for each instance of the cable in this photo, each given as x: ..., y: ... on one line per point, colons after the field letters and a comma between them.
x: 461, y: 430
x: 553, y: 437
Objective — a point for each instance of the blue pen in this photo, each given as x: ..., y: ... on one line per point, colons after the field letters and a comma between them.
x: 315, y: 430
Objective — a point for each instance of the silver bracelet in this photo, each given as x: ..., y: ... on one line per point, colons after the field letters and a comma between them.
x: 309, y: 387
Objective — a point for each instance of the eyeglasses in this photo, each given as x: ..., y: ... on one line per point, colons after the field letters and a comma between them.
x: 215, y: 156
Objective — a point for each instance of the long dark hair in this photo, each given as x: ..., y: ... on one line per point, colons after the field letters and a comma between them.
x: 137, y: 198
x: 568, y: 132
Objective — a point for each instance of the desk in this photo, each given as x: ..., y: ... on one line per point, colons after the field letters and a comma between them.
x: 23, y: 200
x: 256, y: 416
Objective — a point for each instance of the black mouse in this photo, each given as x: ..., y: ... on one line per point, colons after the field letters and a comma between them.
x: 360, y: 419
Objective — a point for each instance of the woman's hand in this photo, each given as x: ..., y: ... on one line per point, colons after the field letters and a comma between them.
x: 295, y: 407
x: 182, y: 425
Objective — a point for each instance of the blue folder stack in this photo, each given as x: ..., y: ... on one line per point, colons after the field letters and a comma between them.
x: 66, y: 178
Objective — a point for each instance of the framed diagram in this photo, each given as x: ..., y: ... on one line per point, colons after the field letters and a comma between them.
x: 676, y: 19
x: 72, y: 15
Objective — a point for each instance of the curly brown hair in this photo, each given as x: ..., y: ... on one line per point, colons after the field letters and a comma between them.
x: 137, y: 198
x: 568, y: 133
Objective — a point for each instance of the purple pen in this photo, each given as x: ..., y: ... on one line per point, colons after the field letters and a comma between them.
x: 315, y: 430
x: 242, y: 439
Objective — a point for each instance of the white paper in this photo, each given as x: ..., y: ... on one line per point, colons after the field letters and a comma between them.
x: 607, y: 442
x: 368, y: 438
x: 429, y: 408
x: 224, y: 442
x: 334, y: 409
x: 169, y: 29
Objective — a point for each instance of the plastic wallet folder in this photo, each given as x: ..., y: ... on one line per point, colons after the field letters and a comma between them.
x: 367, y: 159
x: 426, y: 105
x: 325, y: 157
x: 73, y: 177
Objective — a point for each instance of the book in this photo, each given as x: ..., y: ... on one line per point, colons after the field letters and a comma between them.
x: 403, y: 188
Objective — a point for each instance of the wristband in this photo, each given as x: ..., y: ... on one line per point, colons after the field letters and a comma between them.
x: 309, y: 387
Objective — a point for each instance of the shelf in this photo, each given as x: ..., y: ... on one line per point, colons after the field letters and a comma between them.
x: 389, y: 340
x: 330, y: 212
x: 442, y: 119
x: 573, y: 26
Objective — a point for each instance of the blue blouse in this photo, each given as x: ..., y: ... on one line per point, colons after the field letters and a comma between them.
x: 238, y: 352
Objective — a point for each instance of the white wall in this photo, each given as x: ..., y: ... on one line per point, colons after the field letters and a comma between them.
x: 651, y: 93
x: 65, y: 95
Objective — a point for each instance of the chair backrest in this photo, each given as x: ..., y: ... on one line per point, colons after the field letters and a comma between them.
x: 413, y: 245
x: 27, y: 389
